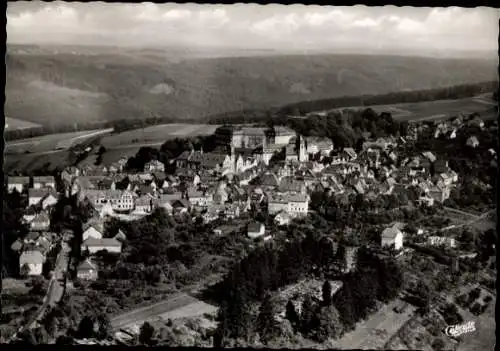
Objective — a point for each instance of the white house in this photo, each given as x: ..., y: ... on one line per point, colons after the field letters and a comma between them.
x: 33, y: 260
x: 108, y: 244
x: 18, y: 183
x: 154, y: 166
x: 256, y: 230
x: 473, y: 142
x: 41, y: 222
x: 44, y: 182
x: 49, y: 200
x: 91, y: 232
x: 392, y: 237
x: 441, y: 241
x: 282, y: 218
x: 35, y: 196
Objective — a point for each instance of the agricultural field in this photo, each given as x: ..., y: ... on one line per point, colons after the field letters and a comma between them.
x: 52, y: 142
x: 16, y: 124
x: 28, y: 163
x: 434, y: 109
x: 156, y: 135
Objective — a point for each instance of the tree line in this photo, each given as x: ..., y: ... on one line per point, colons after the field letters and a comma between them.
x: 265, y: 270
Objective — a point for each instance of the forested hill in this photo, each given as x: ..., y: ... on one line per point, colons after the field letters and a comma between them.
x: 66, y: 88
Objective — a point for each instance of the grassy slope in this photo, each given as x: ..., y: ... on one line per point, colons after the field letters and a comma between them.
x: 49, y: 88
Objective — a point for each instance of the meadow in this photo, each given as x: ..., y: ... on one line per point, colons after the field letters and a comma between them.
x: 16, y: 124
x: 431, y: 109
x: 156, y: 135
x: 50, y: 143
x: 29, y: 163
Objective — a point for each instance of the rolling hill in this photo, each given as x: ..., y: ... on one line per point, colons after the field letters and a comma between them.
x: 52, y: 87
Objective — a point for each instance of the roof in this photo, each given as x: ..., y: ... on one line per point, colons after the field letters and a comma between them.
x: 269, y: 179
x: 86, y: 265
x: 429, y: 155
x: 39, y: 192
x: 286, y: 198
x: 350, y: 151
x: 254, y: 227
x: 18, y: 180
x: 43, y: 179
x: 391, y: 232
x: 143, y: 200
x: 32, y: 256
x: 32, y: 236
x: 41, y: 217
x: 102, y: 242
x: 120, y: 235
x: 291, y: 184
x: 17, y: 245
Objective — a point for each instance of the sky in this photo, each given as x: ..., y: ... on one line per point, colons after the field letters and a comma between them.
x: 249, y: 26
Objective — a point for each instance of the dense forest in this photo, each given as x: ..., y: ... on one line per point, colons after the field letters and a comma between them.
x: 455, y: 92
x: 265, y: 116
x: 305, y: 107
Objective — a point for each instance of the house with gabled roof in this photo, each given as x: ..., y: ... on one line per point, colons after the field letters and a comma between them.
x: 91, y: 231
x: 350, y: 153
x: 154, y: 166
x: 144, y: 204
x: 49, y: 200
x: 35, y: 196
x: 282, y: 218
x: 44, y: 182
x: 87, y: 270
x: 255, y: 230
x: 41, y: 222
x: 93, y: 245
x: 393, y: 237
x: 31, y: 262
x: 18, y: 183
x: 472, y: 142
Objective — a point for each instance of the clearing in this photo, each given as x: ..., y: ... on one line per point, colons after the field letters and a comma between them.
x: 374, y: 332
x: 18, y: 124
x: 428, y: 110
x: 157, y: 135
x: 52, y: 142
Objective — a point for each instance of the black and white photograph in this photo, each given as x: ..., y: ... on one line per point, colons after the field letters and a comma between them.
x: 246, y: 175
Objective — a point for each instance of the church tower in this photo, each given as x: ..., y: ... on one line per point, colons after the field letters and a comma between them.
x: 301, y: 148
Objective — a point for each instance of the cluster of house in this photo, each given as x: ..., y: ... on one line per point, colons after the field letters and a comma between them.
x: 42, y: 196
x: 93, y: 241
x: 238, y: 175
x: 450, y: 128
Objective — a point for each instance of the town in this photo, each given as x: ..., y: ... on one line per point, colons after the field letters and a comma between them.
x: 268, y: 177
x: 254, y: 184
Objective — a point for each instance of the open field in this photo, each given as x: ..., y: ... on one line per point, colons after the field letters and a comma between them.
x: 376, y: 330
x: 26, y: 163
x: 48, y: 143
x: 179, y: 306
x: 157, y: 134
x: 16, y: 124
x: 433, y: 109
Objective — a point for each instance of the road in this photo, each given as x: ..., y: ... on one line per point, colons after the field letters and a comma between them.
x: 55, y: 290
x: 140, y: 315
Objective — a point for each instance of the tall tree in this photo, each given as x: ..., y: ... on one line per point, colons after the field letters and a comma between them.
x: 292, y: 315
x: 146, y: 334
x: 86, y: 327
x: 327, y: 293
x: 307, y: 314
x: 267, y: 325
